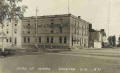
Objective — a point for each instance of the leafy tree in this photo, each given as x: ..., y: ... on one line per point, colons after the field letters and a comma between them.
x: 11, y: 9
x: 118, y: 41
x: 112, y: 41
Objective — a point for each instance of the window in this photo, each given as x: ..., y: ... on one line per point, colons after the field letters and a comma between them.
x: 52, y: 20
x: 52, y: 31
x: 6, y: 40
x: 7, y: 32
x: 52, y: 39
x: 47, y: 39
x: 24, y: 39
x: 60, y: 39
x: 28, y: 32
x: 28, y: 24
x: 28, y: 39
x: 65, y: 40
x: 39, y: 39
x: 15, y: 24
x: 52, y: 25
x: 10, y: 39
x: 60, y: 29
x: 15, y: 31
x: 15, y: 41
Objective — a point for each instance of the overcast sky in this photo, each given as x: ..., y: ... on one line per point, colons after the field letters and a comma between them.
x: 94, y: 11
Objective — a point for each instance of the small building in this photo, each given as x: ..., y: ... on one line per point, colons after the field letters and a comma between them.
x: 97, y: 38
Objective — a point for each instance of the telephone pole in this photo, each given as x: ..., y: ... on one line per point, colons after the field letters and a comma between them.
x: 36, y: 31
x: 109, y: 16
x: 68, y: 7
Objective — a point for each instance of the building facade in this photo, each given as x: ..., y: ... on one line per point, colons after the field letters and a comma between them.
x: 55, y: 31
x: 51, y: 31
x: 12, y: 34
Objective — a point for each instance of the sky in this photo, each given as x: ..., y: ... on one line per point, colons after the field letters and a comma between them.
x: 101, y: 13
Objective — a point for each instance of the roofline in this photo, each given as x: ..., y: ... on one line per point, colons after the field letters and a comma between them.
x: 52, y: 16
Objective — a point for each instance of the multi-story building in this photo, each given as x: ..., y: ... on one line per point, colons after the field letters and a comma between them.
x: 12, y: 34
x: 51, y: 31
x: 55, y: 31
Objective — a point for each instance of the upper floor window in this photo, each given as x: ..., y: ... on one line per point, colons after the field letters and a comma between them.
x: 15, y: 24
x: 28, y: 32
x: 15, y: 31
x: 28, y: 24
x: 52, y: 25
x: 60, y: 29
x: 52, y: 31
x: 52, y: 20
x: 7, y: 32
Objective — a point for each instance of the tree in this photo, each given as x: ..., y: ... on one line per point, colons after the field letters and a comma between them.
x: 118, y: 41
x: 112, y: 41
x: 11, y: 10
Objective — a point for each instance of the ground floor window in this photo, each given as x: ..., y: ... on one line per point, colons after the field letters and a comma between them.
x: 60, y: 39
x: 15, y: 41
x: 65, y: 40
x: 28, y: 39
x: 47, y: 39
x: 24, y: 39
x: 52, y: 39
x: 39, y: 39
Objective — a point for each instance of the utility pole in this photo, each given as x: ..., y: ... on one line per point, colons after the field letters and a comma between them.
x: 109, y: 16
x: 36, y: 44
x: 68, y: 6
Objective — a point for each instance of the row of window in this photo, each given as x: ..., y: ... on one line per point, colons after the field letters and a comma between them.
x: 10, y: 40
x: 48, y: 40
x: 79, y: 32
x: 14, y: 24
x: 15, y: 31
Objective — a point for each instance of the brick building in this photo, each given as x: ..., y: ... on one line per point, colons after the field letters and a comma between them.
x: 51, y: 31
x: 55, y: 31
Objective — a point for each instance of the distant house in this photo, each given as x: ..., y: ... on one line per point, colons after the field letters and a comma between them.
x: 97, y: 38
